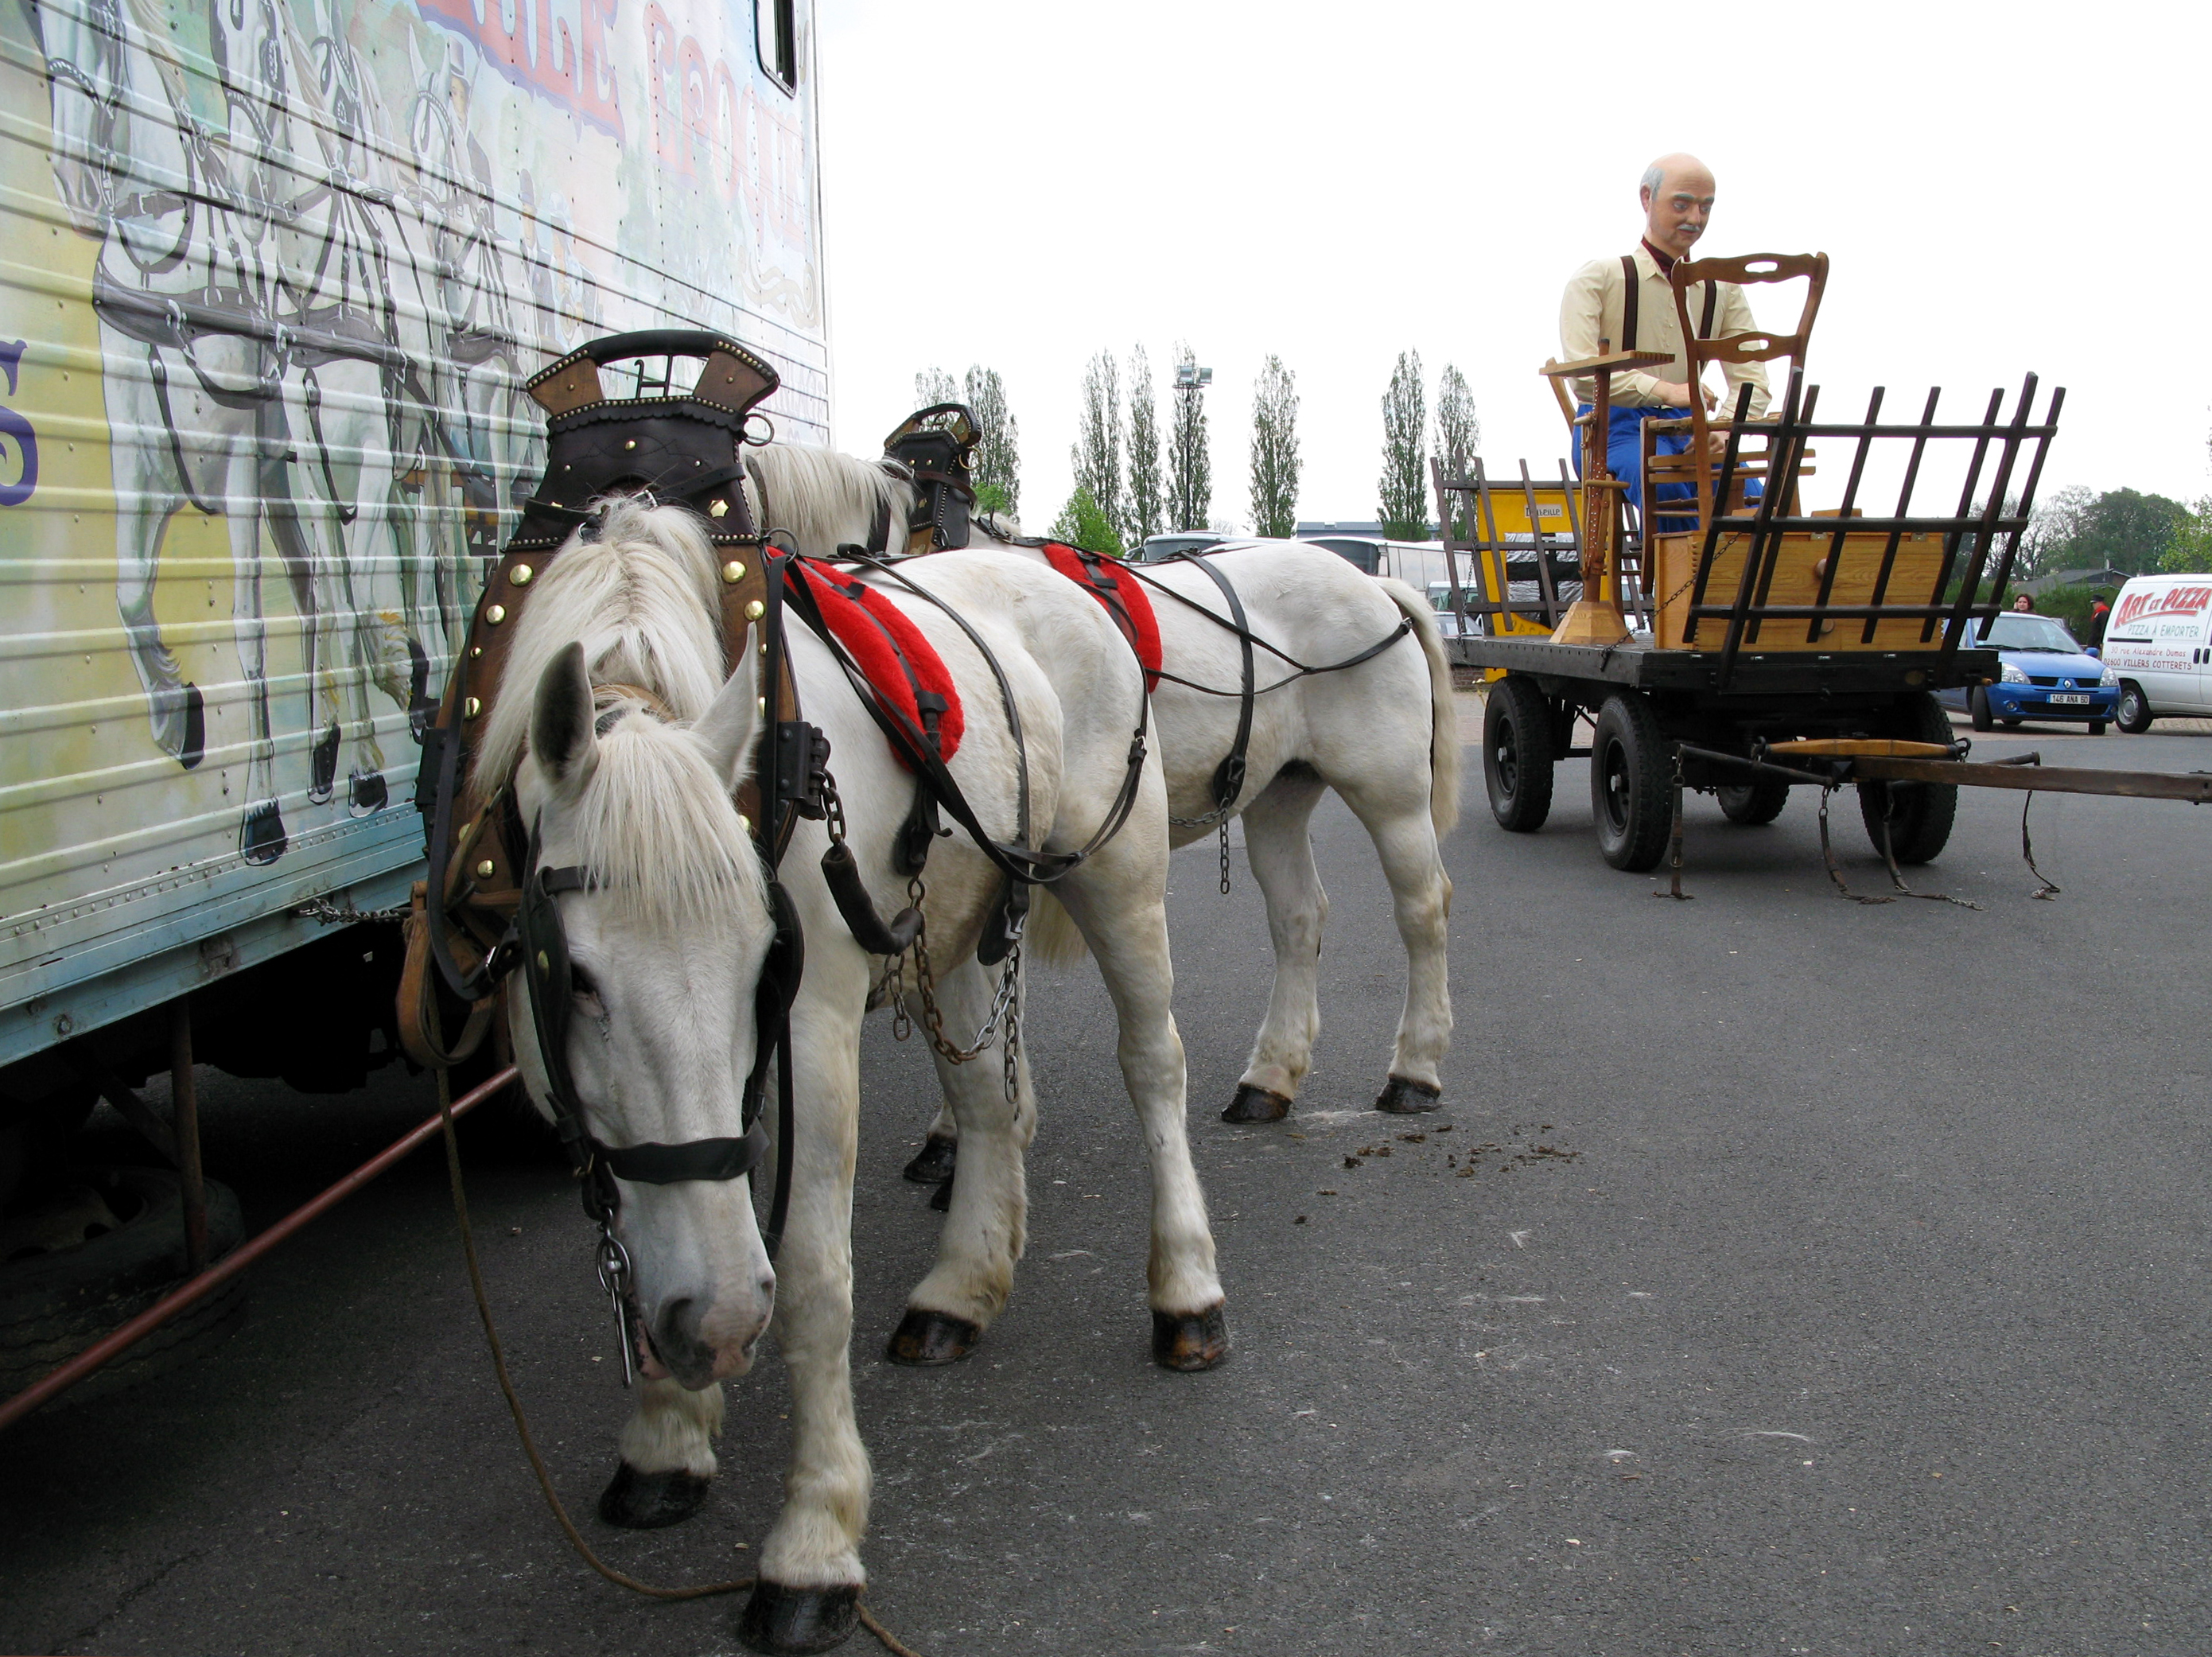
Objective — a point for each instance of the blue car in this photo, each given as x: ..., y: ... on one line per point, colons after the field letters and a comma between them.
x: 2046, y: 675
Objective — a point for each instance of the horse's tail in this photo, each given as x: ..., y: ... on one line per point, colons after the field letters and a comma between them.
x: 1444, y: 712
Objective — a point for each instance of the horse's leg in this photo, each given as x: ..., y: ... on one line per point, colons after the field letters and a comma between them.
x: 808, y: 1595
x: 148, y: 491
x: 984, y: 1228
x: 667, y: 1456
x: 1278, y: 846
x: 1397, y: 821
x: 933, y: 1163
x: 1118, y: 901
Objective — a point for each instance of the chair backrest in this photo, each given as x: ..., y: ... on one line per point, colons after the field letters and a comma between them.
x: 1755, y: 345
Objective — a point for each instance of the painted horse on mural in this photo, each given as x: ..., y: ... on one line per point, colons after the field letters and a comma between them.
x: 622, y: 743
x: 1382, y: 733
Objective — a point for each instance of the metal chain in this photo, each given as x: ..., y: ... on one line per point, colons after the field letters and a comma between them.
x: 1224, y: 857
x: 1005, y: 1013
x: 327, y: 913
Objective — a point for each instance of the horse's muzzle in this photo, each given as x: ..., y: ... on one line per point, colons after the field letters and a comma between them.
x: 698, y: 1345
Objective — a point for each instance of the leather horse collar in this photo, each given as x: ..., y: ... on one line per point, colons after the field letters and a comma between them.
x: 938, y: 446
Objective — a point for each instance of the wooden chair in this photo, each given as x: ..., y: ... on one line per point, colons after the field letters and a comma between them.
x: 1695, y: 466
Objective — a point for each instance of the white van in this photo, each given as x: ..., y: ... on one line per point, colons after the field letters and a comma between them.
x: 2159, y: 642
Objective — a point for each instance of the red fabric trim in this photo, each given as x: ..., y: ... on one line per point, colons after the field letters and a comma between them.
x: 869, y: 625
x: 1125, y: 599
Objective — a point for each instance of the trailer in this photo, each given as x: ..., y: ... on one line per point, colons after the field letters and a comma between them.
x: 276, y: 274
x: 1758, y: 623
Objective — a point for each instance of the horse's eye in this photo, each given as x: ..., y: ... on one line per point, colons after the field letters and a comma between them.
x: 582, y: 984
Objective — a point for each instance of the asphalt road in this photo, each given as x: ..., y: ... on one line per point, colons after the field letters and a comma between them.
x: 1832, y: 1279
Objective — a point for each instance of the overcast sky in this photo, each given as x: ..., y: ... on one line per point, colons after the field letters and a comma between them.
x: 2002, y: 188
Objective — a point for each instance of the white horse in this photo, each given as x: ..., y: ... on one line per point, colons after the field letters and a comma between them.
x: 1383, y: 735
x: 632, y: 783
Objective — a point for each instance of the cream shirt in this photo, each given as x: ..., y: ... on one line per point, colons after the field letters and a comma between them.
x: 1592, y: 310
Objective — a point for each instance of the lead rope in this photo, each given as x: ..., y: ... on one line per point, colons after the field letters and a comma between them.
x: 2048, y: 890
x: 706, y: 1590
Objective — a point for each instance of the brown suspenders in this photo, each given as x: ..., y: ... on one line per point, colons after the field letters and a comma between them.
x: 1628, y: 304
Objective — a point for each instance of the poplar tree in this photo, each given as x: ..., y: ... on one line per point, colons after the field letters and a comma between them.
x: 998, y: 444
x: 1459, y: 431
x: 932, y: 386
x: 1190, y: 468
x: 1147, y: 503
x: 1404, y: 507
x: 1274, y: 451
x: 1095, y: 455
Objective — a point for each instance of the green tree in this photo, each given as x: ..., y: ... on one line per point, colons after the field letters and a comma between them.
x: 1147, y: 501
x: 2120, y: 529
x: 1274, y: 451
x: 934, y: 386
x: 1459, y: 431
x: 1083, y: 522
x: 2189, y: 551
x: 1404, y: 508
x: 1095, y: 455
x: 998, y: 444
x: 1190, y: 461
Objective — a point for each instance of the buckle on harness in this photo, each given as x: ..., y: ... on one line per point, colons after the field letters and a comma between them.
x: 802, y: 768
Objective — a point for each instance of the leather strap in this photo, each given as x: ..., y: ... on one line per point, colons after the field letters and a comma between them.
x: 1628, y: 302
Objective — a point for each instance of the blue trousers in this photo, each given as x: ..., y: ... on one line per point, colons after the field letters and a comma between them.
x: 1624, y: 459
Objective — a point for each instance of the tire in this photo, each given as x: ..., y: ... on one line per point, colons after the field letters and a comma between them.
x: 55, y: 1302
x: 1631, y: 799
x: 2096, y: 727
x: 1977, y: 708
x: 2133, y: 715
x: 2011, y: 724
x: 1517, y: 754
x: 1919, y: 814
x: 1760, y: 800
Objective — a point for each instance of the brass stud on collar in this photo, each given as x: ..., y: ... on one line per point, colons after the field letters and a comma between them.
x: 475, y: 650
x: 520, y: 576
x: 755, y: 610
x: 719, y: 510
x: 472, y: 708
x: 733, y: 573
x: 494, y: 615
x: 629, y: 442
x: 544, y: 962
x: 745, y: 824
x: 486, y: 869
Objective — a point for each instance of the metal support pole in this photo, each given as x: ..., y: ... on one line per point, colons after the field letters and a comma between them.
x: 185, y: 1109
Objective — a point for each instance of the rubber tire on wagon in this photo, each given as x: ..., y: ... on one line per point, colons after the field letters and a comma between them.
x: 1760, y: 800
x: 1632, y: 800
x: 54, y: 1305
x: 1920, y: 813
x: 1517, y: 754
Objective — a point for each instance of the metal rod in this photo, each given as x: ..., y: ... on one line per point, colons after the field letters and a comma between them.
x: 198, y: 1287
x: 2042, y: 779
x: 185, y: 1108
x: 1713, y: 756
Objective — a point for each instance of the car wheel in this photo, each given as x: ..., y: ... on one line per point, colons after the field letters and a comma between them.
x: 1760, y: 800
x: 1630, y: 797
x: 1978, y: 707
x: 2133, y: 715
x: 1919, y: 815
x: 1517, y: 754
x: 2096, y: 727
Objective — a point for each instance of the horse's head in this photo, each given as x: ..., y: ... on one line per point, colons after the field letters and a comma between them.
x: 666, y: 937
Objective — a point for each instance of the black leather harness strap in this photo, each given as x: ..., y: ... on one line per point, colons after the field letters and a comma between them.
x: 1229, y: 775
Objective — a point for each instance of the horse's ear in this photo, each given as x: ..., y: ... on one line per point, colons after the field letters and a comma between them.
x: 730, y: 724
x: 561, y: 734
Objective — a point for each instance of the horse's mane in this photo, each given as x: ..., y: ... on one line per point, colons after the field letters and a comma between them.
x: 653, y: 822
x: 824, y: 497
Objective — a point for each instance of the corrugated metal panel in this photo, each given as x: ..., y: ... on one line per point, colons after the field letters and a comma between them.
x: 270, y: 277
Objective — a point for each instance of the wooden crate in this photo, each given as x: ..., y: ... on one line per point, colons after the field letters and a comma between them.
x: 1796, y: 581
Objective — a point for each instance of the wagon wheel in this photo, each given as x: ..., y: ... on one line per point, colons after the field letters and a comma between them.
x: 1517, y: 754
x: 1630, y: 797
x: 1760, y: 800
x: 1919, y: 813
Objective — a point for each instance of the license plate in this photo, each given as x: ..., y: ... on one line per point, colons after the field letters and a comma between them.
x: 2066, y: 701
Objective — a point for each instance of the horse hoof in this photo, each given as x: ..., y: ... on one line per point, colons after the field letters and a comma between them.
x: 1404, y: 1097
x: 323, y: 767
x: 368, y: 794
x: 932, y: 1163
x: 777, y: 1619
x: 1257, y: 1105
x: 941, y: 1200
x: 1190, y: 1341
x: 261, y: 837
x: 194, y: 747
x: 646, y: 1502
x: 925, y: 1337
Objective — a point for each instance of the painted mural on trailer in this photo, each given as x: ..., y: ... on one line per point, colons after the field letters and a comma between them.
x: 275, y: 269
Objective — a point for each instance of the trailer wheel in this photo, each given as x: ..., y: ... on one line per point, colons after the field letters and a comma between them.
x: 1629, y: 793
x: 1919, y: 814
x: 57, y: 1295
x: 2133, y: 715
x: 1760, y: 800
x: 1977, y: 705
x: 1517, y: 754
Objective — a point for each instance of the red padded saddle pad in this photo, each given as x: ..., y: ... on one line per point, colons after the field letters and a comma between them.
x: 894, y: 654
x: 1124, y: 597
